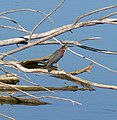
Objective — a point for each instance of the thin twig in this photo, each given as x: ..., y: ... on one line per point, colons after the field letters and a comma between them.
x: 45, y: 19
x: 25, y: 9
x: 14, y: 28
x: 6, y: 116
x: 109, y: 15
x: 7, y: 18
x: 93, y: 38
x: 86, y: 69
x: 92, y: 12
x: 60, y: 98
x: 10, y: 56
x: 18, y: 10
x: 93, y: 61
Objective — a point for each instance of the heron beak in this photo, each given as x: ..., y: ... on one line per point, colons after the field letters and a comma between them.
x: 65, y: 46
x: 70, y: 46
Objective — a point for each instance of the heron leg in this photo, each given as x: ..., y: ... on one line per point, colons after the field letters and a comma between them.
x: 58, y: 66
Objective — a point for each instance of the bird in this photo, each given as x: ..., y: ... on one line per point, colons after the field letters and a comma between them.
x: 56, y: 56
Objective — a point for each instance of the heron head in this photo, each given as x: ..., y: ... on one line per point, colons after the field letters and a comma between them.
x: 65, y: 47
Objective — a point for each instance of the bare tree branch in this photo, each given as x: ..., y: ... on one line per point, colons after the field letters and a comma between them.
x: 20, y: 101
x: 60, y: 98
x: 77, y: 80
x: 6, y: 116
x: 77, y: 43
x: 14, y: 28
x: 38, y: 88
x: 109, y: 15
x: 60, y: 74
x: 25, y: 9
x: 9, y: 79
x: 7, y: 18
x: 92, y: 12
x: 45, y: 18
x: 56, y: 32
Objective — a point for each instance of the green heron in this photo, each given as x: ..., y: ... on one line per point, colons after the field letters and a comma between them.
x: 56, y: 56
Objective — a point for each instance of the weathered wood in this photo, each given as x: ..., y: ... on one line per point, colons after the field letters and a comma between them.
x: 20, y: 101
x: 38, y: 88
x: 9, y: 79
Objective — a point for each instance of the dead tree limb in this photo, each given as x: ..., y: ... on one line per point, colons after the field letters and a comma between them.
x: 9, y: 79
x: 59, y: 74
x: 92, y: 12
x: 38, y: 88
x: 80, y: 81
x: 20, y: 101
x: 52, y: 33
